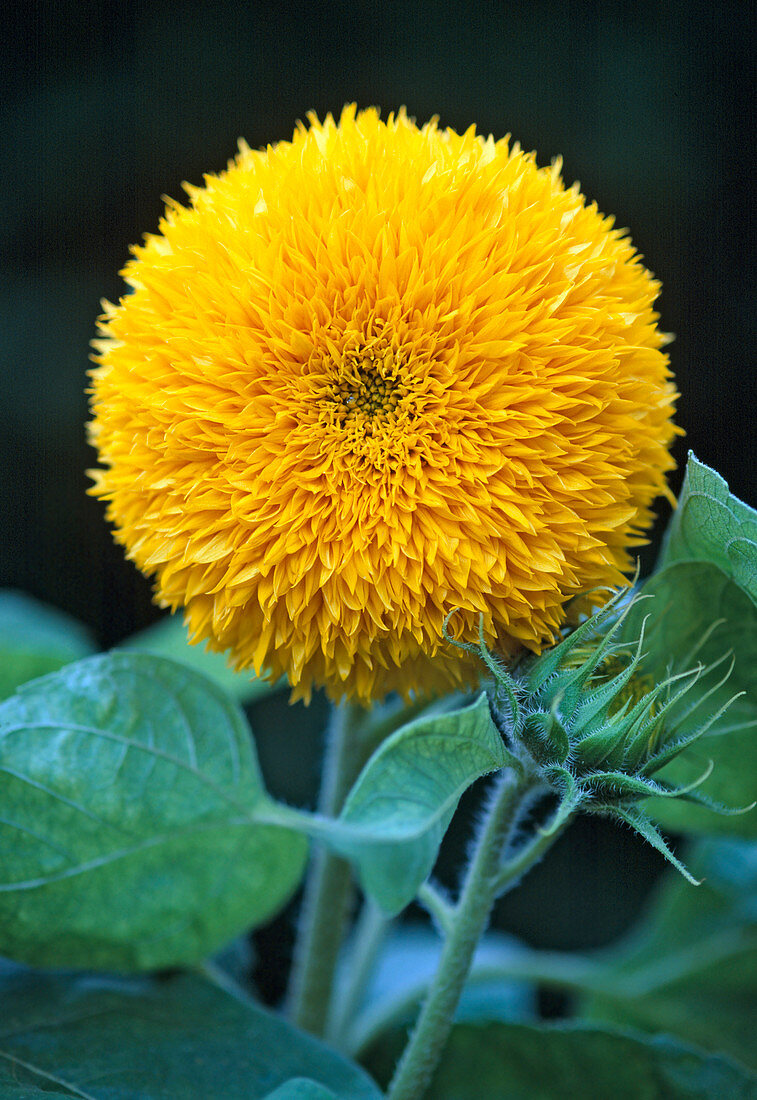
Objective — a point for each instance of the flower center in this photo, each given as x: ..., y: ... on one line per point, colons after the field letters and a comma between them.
x: 369, y: 399
x: 369, y: 386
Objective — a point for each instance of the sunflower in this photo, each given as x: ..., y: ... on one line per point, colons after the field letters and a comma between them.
x: 371, y: 375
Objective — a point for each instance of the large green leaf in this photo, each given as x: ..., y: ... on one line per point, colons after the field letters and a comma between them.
x: 691, y: 968
x: 524, y: 1062
x: 395, y: 816
x: 129, y: 791
x: 35, y: 639
x: 117, y: 1039
x: 711, y: 524
x: 168, y: 638
x: 697, y: 615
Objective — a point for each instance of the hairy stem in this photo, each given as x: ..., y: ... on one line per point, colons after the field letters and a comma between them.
x: 436, y: 904
x: 329, y: 889
x: 369, y: 934
x: 484, y: 880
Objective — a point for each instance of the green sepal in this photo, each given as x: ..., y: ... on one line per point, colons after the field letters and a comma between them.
x: 592, y: 707
x: 506, y: 686
x: 705, y: 605
x: 640, y: 822
x: 545, y: 738
x: 538, y: 671
x: 573, y: 685
x: 610, y: 785
x: 699, y: 799
x: 605, y: 746
x: 670, y: 751
x: 570, y: 799
x: 644, y: 721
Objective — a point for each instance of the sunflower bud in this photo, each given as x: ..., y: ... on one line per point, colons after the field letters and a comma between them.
x: 596, y: 728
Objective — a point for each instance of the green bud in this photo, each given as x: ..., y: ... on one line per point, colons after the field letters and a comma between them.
x: 586, y: 718
x: 545, y: 738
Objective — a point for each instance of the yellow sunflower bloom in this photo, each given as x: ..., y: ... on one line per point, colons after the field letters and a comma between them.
x: 368, y: 376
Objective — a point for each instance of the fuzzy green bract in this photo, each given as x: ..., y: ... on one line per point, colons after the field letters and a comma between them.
x: 129, y: 790
x: 575, y: 717
x: 701, y: 619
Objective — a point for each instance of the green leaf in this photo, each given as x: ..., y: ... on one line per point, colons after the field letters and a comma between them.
x: 16, y: 1083
x: 116, y: 1039
x: 697, y: 616
x: 35, y: 639
x: 129, y: 795
x: 168, y: 638
x: 395, y: 816
x: 301, y: 1088
x: 406, y: 967
x: 711, y: 524
x: 691, y: 967
x: 523, y: 1062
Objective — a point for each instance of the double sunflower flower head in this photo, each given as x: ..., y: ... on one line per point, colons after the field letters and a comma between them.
x: 371, y: 375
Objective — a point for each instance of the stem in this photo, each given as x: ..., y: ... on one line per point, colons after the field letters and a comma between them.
x: 369, y: 935
x: 328, y: 890
x: 555, y: 970
x: 224, y: 981
x: 470, y: 918
x: 437, y: 906
x: 511, y: 873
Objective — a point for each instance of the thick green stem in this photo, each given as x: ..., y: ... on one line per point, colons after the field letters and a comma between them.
x: 573, y: 973
x: 513, y: 871
x: 329, y: 889
x: 437, y: 906
x: 325, y: 914
x: 369, y: 934
x: 469, y: 921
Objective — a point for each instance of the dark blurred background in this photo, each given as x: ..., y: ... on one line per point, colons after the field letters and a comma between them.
x: 108, y: 107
